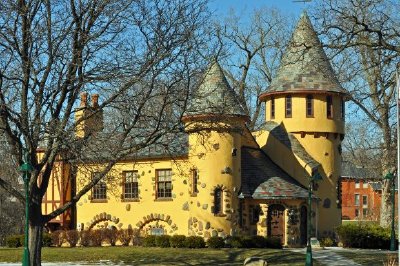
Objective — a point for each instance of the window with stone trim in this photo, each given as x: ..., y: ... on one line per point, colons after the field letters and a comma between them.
x: 254, y: 214
x: 99, y: 191
x: 130, y: 185
x: 218, y: 201
x: 164, y: 183
x: 194, y: 182
x: 288, y: 106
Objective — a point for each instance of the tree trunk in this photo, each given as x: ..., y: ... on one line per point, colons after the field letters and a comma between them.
x: 386, y: 213
x: 35, y: 244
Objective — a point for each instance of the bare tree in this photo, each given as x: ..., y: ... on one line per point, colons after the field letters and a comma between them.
x: 253, y: 50
x: 364, y: 38
x: 139, y: 56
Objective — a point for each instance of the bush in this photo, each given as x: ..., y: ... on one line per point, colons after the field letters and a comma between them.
x: 46, y: 240
x: 125, y: 236
x: 194, y: 242
x: 96, y: 237
x: 110, y: 235
x: 14, y: 241
x: 85, y: 238
x: 326, y: 242
x: 72, y: 237
x: 234, y: 242
x: 57, y: 238
x: 274, y: 242
x: 364, y: 236
x: 259, y: 242
x: 177, y: 241
x: 215, y: 242
x: 149, y: 241
x: 163, y: 241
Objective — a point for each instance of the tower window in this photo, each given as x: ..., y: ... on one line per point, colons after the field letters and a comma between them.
x: 309, y: 106
x: 272, y: 108
x: 164, y: 183
x: 342, y: 109
x: 99, y: 191
x: 288, y: 106
x: 329, y: 106
x: 194, y: 180
x: 217, y: 201
x: 131, y: 189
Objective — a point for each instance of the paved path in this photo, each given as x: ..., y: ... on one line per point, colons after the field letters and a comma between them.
x: 328, y: 257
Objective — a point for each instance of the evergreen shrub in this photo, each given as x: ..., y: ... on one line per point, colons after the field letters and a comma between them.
x: 163, y: 241
x: 274, y: 242
x: 177, y: 241
x: 72, y: 237
x: 14, y: 241
x: 215, y: 242
x: 46, y: 240
x: 194, y: 242
x: 57, y: 238
x: 149, y: 241
x: 124, y: 236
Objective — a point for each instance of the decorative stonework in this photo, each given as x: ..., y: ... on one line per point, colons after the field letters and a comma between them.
x: 157, y: 217
x: 102, y: 217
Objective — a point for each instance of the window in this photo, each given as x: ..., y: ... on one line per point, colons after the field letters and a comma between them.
x: 357, y: 213
x: 365, y: 200
x: 131, y: 190
x: 342, y: 109
x: 156, y: 231
x: 272, y: 108
x: 254, y: 214
x: 365, y: 212
x: 365, y: 184
x: 217, y: 201
x: 99, y: 191
x: 357, y: 199
x: 288, y: 106
x: 357, y: 184
x: 194, y: 179
x: 329, y: 106
x: 309, y: 106
x: 164, y: 184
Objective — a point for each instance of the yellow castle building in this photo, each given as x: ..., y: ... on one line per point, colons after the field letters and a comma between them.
x: 223, y: 179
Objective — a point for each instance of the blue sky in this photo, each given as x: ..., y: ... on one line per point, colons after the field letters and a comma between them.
x: 287, y: 7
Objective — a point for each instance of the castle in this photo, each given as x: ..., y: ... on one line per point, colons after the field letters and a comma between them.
x: 227, y: 180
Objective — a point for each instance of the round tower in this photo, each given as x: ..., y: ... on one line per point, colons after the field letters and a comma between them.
x: 214, y: 121
x: 307, y: 100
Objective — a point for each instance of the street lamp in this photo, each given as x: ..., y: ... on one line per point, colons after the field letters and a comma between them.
x: 390, y: 176
x: 314, y: 177
x: 26, y: 168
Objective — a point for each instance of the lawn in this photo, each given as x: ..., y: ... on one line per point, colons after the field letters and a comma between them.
x: 369, y: 258
x: 159, y: 256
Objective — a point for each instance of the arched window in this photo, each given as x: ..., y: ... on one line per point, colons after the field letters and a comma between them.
x: 288, y: 106
x: 309, y: 106
x: 218, y: 201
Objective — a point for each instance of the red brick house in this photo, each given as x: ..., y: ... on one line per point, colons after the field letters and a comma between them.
x: 361, y: 193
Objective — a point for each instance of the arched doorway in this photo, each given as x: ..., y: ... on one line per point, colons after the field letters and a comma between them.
x: 276, y: 221
x: 303, y: 225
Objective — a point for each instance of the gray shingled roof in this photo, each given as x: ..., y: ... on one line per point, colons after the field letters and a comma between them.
x: 290, y: 141
x: 214, y: 95
x: 305, y: 66
x: 263, y: 179
x: 350, y: 170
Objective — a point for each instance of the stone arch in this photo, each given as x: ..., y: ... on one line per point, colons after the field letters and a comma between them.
x: 156, y: 217
x: 102, y: 217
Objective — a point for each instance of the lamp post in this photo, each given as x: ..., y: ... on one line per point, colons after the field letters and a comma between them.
x: 390, y: 176
x: 26, y: 169
x: 315, y: 177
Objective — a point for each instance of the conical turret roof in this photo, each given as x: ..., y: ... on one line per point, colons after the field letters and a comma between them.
x: 304, y: 66
x: 214, y: 96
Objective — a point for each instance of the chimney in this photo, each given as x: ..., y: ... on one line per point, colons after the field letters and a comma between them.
x: 84, y: 96
x: 95, y: 100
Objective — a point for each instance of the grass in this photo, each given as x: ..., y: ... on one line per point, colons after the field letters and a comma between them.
x: 365, y: 257
x: 159, y: 256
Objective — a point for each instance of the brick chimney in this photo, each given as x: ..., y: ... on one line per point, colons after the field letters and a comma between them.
x: 84, y: 96
x: 95, y: 100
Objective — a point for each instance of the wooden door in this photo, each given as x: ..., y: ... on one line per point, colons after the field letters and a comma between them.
x: 276, y: 221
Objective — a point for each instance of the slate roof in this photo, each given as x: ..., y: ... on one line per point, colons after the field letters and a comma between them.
x: 214, y: 95
x: 290, y: 141
x: 350, y: 170
x: 263, y: 179
x: 304, y: 66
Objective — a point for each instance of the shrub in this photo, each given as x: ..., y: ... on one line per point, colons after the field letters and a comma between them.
x: 57, y: 238
x: 14, y: 241
x: 247, y: 241
x: 177, y: 241
x: 96, y: 238
x: 326, y: 242
x: 215, y: 242
x: 85, y: 238
x: 163, y: 241
x: 274, y: 242
x: 234, y: 242
x: 149, y: 241
x: 125, y: 236
x: 259, y: 242
x: 137, y: 240
x: 72, y: 237
x: 364, y: 236
x: 195, y: 242
x: 46, y: 240
x: 110, y: 235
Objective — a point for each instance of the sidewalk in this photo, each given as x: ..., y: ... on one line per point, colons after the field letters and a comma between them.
x: 327, y: 257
